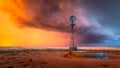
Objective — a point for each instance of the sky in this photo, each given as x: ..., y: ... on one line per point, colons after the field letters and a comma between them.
x: 107, y: 14
x: 45, y: 23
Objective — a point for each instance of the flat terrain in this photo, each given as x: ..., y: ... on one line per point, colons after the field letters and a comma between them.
x: 48, y: 58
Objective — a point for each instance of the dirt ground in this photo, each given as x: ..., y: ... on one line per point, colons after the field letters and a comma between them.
x: 55, y: 59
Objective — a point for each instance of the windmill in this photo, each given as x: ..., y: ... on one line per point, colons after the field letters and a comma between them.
x: 73, y: 21
x: 73, y: 47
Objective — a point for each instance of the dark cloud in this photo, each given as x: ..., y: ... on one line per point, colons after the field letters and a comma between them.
x: 50, y: 14
x: 108, y: 12
x: 53, y: 15
x: 90, y: 36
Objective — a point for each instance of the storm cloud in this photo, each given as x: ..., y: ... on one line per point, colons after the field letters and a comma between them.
x: 53, y: 15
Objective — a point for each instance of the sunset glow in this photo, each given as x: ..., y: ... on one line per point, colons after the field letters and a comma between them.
x: 30, y: 23
x: 12, y: 35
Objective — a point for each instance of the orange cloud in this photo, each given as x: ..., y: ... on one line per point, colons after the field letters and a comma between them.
x: 12, y: 35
